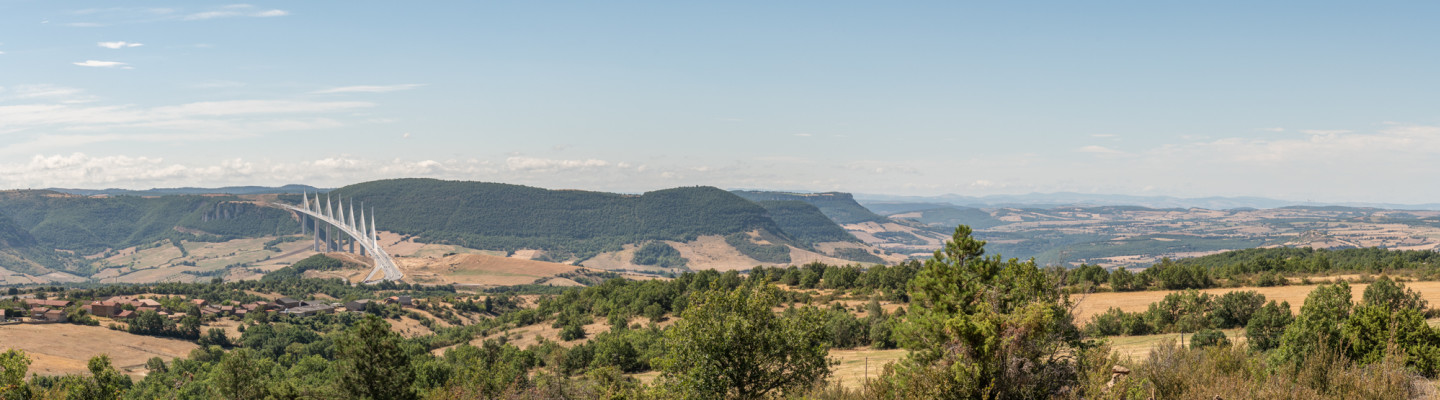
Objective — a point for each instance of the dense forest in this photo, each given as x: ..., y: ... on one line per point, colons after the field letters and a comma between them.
x: 805, y: 223
x: 566, y: 222
x: 840, y: 207
x: 92, y: 224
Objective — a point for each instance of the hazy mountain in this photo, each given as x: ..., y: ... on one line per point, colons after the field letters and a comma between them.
x: 231, y: 190
x: 1051, y: 200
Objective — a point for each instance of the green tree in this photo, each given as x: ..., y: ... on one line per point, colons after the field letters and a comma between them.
x: 1372, y: 329
x: 13, y: 366
x: 242, y: 375
x: 1123, y: 280
x: 1392, y: 296
x: 984, y: 328
x: 106, y: 381
x: 373, y: 365
x: 729, y: 344
x: 1317, y: 328
x: 1209, y: 337
x: 1234, y: 309
x: 1267, y: 325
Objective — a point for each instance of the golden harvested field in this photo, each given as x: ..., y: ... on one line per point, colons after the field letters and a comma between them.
x: 58, y: 349
x: 478, y: 269
x: 855, y: 365
x: 1095, y: 303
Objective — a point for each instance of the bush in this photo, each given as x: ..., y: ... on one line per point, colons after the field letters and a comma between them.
x: 572, y: 331
x: 1267, y: 325
x: 1001, y: 313
x: 659, y: 254
x: 1207, y: 338
x: 1234, y: 309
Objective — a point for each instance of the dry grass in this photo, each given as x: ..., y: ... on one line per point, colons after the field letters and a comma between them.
x: 59, y: 349
x: 479, y: 269
x: 1087, y: 306
x: 856, y: 365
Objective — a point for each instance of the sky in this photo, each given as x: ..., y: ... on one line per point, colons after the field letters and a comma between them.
x: 1317, y: 101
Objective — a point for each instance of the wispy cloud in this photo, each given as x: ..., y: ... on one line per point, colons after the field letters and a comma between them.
x: 114, y: 16
x: 100, y: 64
x: 550, y: 165
x: 235, y: 10
x: 1094, y: 149
x: 369, y: 88
x: 217, y: 85
x: 119, y: 45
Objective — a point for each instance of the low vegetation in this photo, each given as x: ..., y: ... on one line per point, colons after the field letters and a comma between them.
x: 973, y: 326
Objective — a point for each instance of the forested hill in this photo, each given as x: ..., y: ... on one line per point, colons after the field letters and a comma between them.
x: 566, y: 222
x: 840, y: 207
x: 88, y: 225
x: 805, y: 222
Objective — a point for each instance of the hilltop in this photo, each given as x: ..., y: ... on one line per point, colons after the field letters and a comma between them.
x: 574, y: 225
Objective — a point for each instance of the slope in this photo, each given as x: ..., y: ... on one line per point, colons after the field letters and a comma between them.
x: 840, y: 207
x: 566, y: 223
x: 90, y: 225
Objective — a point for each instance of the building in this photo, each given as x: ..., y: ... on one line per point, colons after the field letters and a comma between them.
x: 48, y: 303
x: 126, y: 314
x: 358, y: 305
x: 401, y: 300
x: 105, y: 308
x: 55, y: 316
x: 286, y: 303
x: 309, y: 309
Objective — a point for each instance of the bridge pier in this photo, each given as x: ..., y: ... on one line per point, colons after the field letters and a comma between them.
x: 336, y: 230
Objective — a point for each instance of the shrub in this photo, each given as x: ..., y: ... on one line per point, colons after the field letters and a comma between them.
x: 1207, y: 338
x: 1267, y: 325
x: 1234, y: 309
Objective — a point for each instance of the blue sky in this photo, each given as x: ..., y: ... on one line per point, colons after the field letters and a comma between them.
x: 1305, y: 101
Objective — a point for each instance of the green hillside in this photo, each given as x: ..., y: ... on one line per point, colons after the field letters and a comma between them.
x: 951, y: 216
x: 20, y: 252
x: 566, y: 222
x: 88, y: 225
x: 840, y: 207
x: 805, y: 223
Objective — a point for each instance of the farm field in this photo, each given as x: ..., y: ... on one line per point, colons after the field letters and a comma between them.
x: 1138, y: 236
x: 1088, y: 305
x: 58, y: 349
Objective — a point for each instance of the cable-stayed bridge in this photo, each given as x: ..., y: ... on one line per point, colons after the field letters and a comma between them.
x: 334, y: 228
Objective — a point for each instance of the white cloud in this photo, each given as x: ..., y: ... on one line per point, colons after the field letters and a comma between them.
x: 119, y: 45
x: 62, y: 94
x: 66, y: 124
x: 217, y: 85
x: 100, y: 64
x: 545, y: 164
x: 235, y: 10
x: 1093, y: 149
x: 369, y: 88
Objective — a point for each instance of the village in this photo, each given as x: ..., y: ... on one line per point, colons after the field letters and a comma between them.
x: 126, y: 308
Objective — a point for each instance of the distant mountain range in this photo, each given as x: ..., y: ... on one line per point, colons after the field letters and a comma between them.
x: 231, y: 190
x: 1063, y: 199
